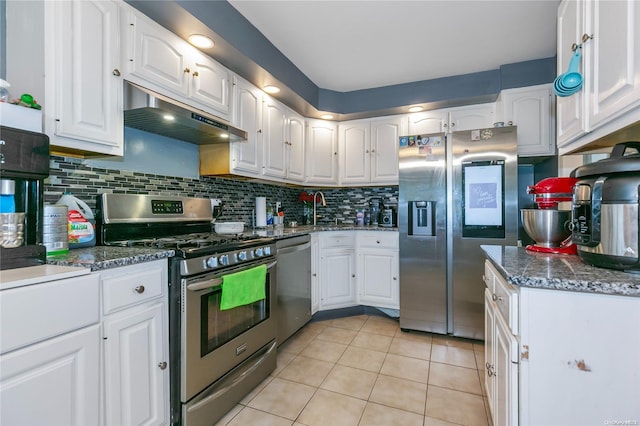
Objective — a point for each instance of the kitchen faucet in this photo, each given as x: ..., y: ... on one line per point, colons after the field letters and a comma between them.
x: 324, y: 203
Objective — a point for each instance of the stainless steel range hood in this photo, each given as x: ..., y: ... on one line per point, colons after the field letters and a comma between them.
x: 155, y: 113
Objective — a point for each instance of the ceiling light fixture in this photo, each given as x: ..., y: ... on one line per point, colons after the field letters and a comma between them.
x: 271, y: 89
x: 326, y: 116
x: 168, y: 117
x: 201, y: 41
x: 415, y: 109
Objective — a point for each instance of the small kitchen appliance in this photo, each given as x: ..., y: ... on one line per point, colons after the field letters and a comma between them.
x: 548, y: 226
x: 605, y: 209
x: 216, y: 355
x: 388, y: 216
x: 23, y: 167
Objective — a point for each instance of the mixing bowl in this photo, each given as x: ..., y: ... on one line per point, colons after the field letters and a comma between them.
x: 548, y: 228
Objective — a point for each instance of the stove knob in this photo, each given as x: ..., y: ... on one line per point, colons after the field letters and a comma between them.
x: 259, y: 252
x: 212, y: 262
x: 242, y: 255
x: 267, y: 251
x: 224, y: 260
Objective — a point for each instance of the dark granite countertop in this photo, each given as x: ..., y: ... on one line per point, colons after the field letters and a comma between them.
x: 559, y: 272
x: 286, y: 232
x: 106, y: 257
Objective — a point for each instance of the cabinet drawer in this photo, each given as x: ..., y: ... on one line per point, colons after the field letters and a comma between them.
x: 506, y: 298
x: 337, y: 239
x: 489, y: 276
x: 37, y: 312
x: 378, y: 239
x: 132, y: 285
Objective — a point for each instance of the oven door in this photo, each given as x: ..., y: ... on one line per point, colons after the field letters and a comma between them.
x: 215, y: 341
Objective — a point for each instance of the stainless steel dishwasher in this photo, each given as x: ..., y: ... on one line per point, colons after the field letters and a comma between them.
x: 293, y: 285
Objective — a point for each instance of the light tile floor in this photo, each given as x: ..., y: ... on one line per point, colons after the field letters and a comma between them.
x: 364, y: 371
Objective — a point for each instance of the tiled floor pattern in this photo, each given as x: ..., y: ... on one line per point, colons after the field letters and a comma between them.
x: 365, y: 371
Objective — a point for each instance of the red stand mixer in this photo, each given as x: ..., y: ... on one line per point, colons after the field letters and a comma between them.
x: 546, y: 225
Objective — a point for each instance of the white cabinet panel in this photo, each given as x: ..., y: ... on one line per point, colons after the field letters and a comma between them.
x: 55, y: 382
x: 246, y: 156
x: 321, y: 153
x: 82, y: 80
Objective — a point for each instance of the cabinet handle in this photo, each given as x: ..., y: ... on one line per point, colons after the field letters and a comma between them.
x: 510, y: 123
x: 487, y: 365
x: 195, y: 73
x: 377, y: 241
x: 444, y: 125
x: 314, y: 275
x: 353, y: 275
x: 162, y: 365
x: 496, y: 297
x: 373, y: 151
x: 586, y: 37
x: 453, y: 124
x: 335, y: 153
x: 187, y: 70
x: 366, y: 151
x: 395, y: 278
x: 116, y: 72
x: 139, y: 289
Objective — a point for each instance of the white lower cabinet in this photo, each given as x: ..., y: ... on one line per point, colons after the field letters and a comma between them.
x: 50, y: 351
x: 135, y: 338
x: 357, y: 268
x: 55, y: 382
x: 315, y: 273
x: 571, y: 359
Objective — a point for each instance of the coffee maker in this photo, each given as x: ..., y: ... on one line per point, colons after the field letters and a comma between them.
x: 24, y: 160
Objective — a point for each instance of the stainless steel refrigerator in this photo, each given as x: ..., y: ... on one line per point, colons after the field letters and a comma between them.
x: 457, y: 192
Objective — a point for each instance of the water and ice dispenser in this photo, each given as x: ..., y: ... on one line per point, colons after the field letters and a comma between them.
x: 422, y: 218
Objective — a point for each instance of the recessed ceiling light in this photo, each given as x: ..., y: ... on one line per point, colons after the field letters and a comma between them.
x: 202, y: 41
x: 271, y: 89
x: 326, y: 116
x: 168, y: 117
x: 415, y: 109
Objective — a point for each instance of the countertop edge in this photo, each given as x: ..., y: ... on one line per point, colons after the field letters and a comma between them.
x: 559, y: 272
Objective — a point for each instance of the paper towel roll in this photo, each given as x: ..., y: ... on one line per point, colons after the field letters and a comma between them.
x: 261, y: 211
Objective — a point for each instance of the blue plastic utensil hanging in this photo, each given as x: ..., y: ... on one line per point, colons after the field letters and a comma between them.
x: 569, y: 83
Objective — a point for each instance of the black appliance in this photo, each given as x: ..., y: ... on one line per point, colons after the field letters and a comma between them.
x: 24, y: 159
x: 216, y: 355
x: 605, y: 214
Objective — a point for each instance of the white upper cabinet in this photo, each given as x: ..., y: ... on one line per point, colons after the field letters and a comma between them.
x: 532, y: 110
x: 452, y: 119
x: 609, y: 33
x: 83, y: 83
x: 162, y: 61
x: 471, y: 117
x: 321, y: 153
x: 368, y: 151
x: 246, y: 156
x: 283, y: 140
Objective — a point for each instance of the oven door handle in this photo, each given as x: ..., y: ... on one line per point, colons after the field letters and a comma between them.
x: 216, y: 282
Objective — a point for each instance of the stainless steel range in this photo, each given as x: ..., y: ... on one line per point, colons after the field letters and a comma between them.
x: 217, y: 355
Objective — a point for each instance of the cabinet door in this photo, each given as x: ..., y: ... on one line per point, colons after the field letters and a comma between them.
x: 355, y: 153
x: 428, y: 122
x: 321, y: 153
x: 158, y: 56
x: 136, y: 373
x: 532, y: 111
x: 315, y: 273
x: 84, y: 82
x: 210, y: 84
x: 385, y: 136
x: 56, y: 382
x: 247, y: 155
x: 489, y: 348
x: 377, y: 281
x: 505, y: 405
x: 295, y: 148
x: 274, y: 131
x: 569, y: 110
x: 471, y: 117
x: 614, y: 59
x: 337, y: 278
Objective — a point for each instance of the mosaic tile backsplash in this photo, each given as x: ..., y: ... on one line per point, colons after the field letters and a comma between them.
x: 238, y: 196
